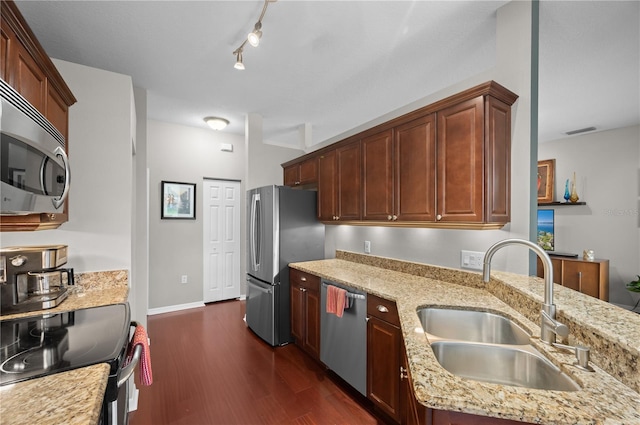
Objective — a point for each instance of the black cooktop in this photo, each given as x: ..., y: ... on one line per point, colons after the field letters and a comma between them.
x: 41, y: 345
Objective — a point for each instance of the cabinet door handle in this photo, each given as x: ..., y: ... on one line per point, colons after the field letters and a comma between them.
x: 580, y: 281
x: 303, y: 289
x: 395, y: 217
x: 403, y: 373
x: 382, y: 309
x: 303, y: 279
x: 389, y: 218
x: 438, y: 217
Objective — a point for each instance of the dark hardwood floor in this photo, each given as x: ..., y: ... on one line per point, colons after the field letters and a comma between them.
x: 209, y: 368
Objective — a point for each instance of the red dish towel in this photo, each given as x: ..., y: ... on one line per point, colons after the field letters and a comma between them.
x: 336, y: 300
x: 140, y: 338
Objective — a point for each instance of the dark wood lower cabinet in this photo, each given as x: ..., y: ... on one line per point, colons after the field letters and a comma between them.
x: 305, y: 311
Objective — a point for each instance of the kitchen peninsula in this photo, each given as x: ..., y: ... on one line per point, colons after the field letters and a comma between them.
x: 608, y: 395
x: 76, y: 396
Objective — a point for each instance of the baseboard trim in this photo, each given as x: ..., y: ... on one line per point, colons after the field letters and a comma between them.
x: 172, y: 308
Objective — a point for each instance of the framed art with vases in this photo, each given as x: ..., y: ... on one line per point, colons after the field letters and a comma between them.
x: 546, y: 171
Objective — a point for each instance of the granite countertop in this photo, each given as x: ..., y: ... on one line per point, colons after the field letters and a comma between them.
x: 612, y: 336
x: 72, y: 397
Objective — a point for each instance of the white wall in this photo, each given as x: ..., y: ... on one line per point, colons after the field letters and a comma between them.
x: 183, y: 154
x: 99, y: 229
x: 606, y: 166
x: 442, y: 246
x: 263, y: 160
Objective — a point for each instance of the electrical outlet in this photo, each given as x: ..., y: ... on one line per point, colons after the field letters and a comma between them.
x: 471, y: 260
x: 367, y: 247
x: 184, y: 279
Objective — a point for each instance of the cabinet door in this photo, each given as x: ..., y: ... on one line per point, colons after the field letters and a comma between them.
x: 460, y: 162
x: 6, y: 36
x: 383, y: 366
x: 377, y: 176
x: 312, y: 309
x: 308, y: 172
x: 411, y: 412
x: 28, y: 79
x: 327, y: 186
x: 348, y: 182
x: 297, y: 312
x: 292, y: 175
x: 583, y: 276
x: 415, y: 170
x: 497, y: 175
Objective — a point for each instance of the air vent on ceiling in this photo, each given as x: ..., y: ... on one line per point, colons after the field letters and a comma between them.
x: 581, y: 130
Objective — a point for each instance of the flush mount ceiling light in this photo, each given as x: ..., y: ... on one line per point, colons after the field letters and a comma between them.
x: 253, y: 38
x: 216, y: 123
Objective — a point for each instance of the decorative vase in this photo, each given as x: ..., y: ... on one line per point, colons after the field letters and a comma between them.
x: 567, y: 194
x: 574, y: 194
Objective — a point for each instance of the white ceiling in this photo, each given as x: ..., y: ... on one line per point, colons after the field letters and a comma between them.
x: 339, y: 64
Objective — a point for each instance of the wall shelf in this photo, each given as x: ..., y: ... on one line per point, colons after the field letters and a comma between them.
x: 560, y: 204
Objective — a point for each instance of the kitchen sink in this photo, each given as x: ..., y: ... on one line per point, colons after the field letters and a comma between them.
x: 471, y: 325
x: 506, y: 365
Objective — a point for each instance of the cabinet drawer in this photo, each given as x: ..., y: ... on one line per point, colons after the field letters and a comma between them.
x: 383, y: 309
x: 305, y: 280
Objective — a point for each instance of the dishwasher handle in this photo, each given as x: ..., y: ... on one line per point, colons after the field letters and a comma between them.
x: 127, y: 371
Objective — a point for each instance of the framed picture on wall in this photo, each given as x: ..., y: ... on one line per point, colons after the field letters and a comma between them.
x: 178, y: 200
x: 546, y: 171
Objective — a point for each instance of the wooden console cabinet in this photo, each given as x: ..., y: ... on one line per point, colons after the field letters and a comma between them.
x: 27, y: 68
x: 588, y: 277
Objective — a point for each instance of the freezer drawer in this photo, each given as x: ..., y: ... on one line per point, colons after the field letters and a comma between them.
x: 260, y: 309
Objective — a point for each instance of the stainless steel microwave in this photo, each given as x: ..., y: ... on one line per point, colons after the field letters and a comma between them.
x: 34, y: 168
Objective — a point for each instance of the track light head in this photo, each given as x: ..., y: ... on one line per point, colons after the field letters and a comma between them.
x: 254, y: 36
x: 239, y: 65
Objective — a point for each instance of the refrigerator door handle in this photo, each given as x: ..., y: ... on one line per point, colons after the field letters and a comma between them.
x: 255, y: 231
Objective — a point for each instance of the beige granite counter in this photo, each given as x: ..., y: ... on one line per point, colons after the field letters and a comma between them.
x: 612, y: 333
x: 73, y: 397
x: 70, y: 398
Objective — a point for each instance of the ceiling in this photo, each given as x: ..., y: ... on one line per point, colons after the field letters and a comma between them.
x: 336, y: 65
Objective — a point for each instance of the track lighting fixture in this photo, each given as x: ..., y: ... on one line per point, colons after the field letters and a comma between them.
x: 239, y: 64
x: 216, y: 123
x: 253, y: 38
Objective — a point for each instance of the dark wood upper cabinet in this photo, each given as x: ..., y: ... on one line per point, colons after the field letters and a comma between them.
x: 415, y: 159
x: 303, y: 174
x: 27, y: 68
x: 446, y: 165
x: 377, y: 176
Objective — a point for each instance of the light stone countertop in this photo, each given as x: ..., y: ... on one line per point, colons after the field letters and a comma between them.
x: 73, y: 397
x: 612, y: 333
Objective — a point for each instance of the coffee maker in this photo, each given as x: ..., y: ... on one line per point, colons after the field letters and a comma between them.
x: 31, y: 278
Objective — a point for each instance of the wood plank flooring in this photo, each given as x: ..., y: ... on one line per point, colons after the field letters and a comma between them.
x: 209, y: 368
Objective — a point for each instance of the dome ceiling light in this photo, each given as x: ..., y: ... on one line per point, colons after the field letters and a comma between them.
x: 216, y: 123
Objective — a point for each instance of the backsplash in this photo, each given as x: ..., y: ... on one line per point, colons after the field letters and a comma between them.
x: 92, y: 281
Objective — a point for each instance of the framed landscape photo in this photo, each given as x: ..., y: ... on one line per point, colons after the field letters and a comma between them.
x: 546, y: 171
x: 178, y: 200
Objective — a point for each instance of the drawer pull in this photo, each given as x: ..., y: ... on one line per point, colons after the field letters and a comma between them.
x: 382, y: 309
x: 303, y: 279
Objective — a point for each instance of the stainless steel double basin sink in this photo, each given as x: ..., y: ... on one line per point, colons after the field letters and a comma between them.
x: 489, y: 347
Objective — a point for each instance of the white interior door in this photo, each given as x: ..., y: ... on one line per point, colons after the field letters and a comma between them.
x: 221, y: 215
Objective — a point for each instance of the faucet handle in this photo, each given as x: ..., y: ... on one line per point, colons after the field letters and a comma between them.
x: 556, y: 327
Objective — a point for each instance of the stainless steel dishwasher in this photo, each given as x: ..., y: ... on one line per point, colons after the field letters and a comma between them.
x: 343, y: 340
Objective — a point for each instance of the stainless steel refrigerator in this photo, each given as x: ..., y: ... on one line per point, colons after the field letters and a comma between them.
x: 282, y: 228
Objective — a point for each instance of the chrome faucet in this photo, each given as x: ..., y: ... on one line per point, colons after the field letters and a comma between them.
x: 549, y: 326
